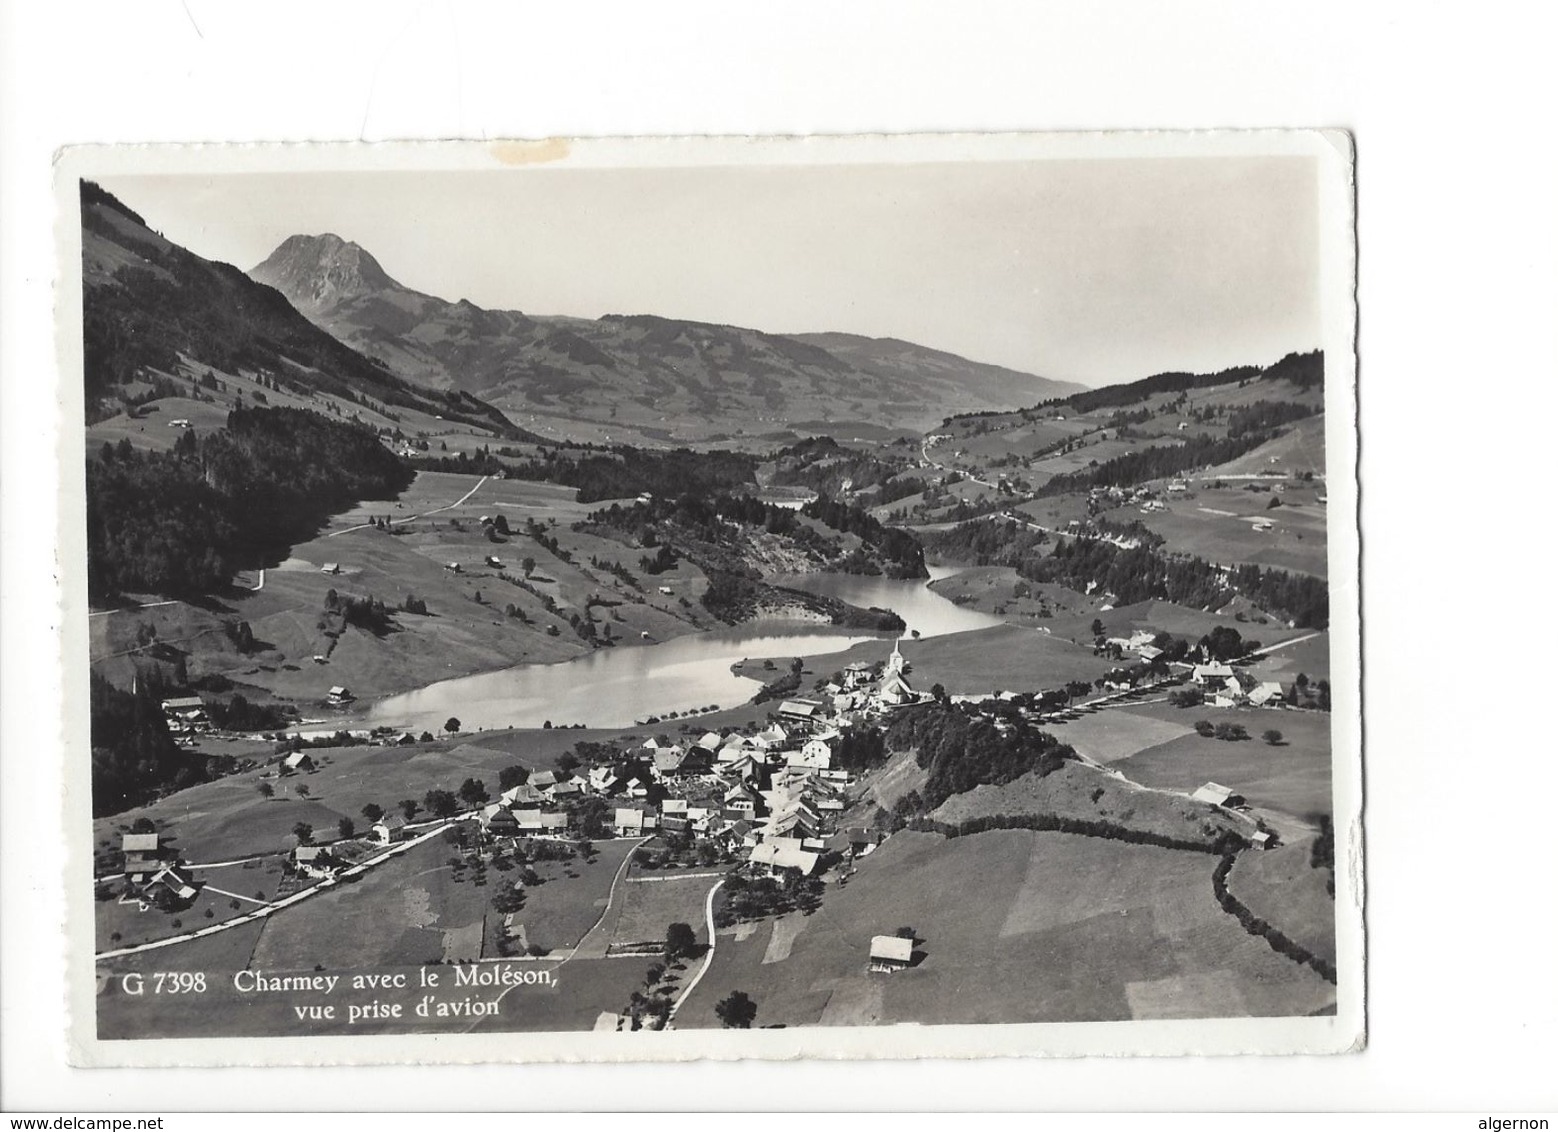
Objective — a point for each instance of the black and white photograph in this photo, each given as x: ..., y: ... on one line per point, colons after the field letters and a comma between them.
x: 718, y: 595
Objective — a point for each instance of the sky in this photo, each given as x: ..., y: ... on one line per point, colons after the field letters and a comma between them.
x: 1095, y: 271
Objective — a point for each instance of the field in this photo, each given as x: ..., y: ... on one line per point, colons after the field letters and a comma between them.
x: 1294, y: 778
x: 1089, y: 930
x: 1218, y: 524
x: 650, y: 902
x: 1280, y: 886
x: 1311, y: 657
x: 1004, y: 658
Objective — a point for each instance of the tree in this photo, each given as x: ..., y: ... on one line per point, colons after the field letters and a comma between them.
x: 373, y: 811
x: 473, y: 792
x: 1205, y: 729
x: 938, y: 692
x: 1272, y: 737
x: 265, y: 789
x: 143, y: 825
x: 303, y: 832
x: 302, y: 789
x: 680, y: 942
x: 512, y: 776
x: 567, y: 762
x: 905, y: 933
x: 347, y: 827
x: 441, y: 803
x: 451, y: 725
x: 409, y: 808
x: 528, y: 566
x: 1098, y: 627
x: 736, y: 1011
x: 654, y: 974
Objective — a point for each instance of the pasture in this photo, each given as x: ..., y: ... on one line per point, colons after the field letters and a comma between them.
x: 1294, y: 778
x: 1064, y: 928
x: 1280, y: 887
x: 1001, y: 658
x: 649, y: 902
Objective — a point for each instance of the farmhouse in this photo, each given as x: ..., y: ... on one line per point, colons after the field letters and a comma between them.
x: 803, y: 710
x: 633, y: 823
x: 339, y: 696
x: 142, y: 855
x: 784, y: 853
x: 186, y: 712
x: 388, y: 829
x: 890, y: 953
x: 1215, y: 673
x: 330, y: 568
x: 298, y: 761
x: 498, y: 821
x: 1266, y: 694
x: 171, y: 883
x: 1217, y: 795
x: 1261, y: 839
x: 711, y: 741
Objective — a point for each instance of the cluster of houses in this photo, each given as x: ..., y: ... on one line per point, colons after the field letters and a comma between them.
x: 1226, y: 688
x: 152, y: 872
x: 186, y: 715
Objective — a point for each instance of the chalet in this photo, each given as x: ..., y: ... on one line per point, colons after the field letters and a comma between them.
x: 564, y: 790
x: 674, y: 808
x: 522, y: 795
x: 339, y: 696
x: 495, y: 563
x: 631, y: 822
x: 554, y: 823
x: 452, y: 567
x: 711, y: 741
x: 890, y: 953
x: 805, y: 711
x: 1266, y: 694
x: 388, y: 829
x: 1149, y: 652
x: 1217, y: 795
x: 1215, y: 673
x: 857, y: 675
x: 771, y: 736
x: 667, y: 590
x: 744, y: 769
x: 857, y: 841
x: 528, y: 820
x: 543, y: 780
x: 171, y: 882
x: 668, y: 761
x: 142, y: 856
x: 784, y: 853
x: 330, y: 568
x: 186, y: 713
x: 740, y: 802
x: 498, y: 820
x: 1261, y: 839
x: 298, y: 762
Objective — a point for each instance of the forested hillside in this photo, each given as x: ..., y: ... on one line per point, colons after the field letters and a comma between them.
x: 181, y: 522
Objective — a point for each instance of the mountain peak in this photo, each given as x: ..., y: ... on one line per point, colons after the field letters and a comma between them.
x: 316, y: 272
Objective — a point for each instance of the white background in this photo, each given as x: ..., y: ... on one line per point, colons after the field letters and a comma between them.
x: 1457, y: 201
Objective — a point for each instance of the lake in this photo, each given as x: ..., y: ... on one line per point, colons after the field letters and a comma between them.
x: 617, y: 687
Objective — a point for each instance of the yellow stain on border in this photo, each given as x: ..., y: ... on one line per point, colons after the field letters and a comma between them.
x: 530, y: 152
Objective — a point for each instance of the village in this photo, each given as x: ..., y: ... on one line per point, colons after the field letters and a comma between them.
x: 778, y: 802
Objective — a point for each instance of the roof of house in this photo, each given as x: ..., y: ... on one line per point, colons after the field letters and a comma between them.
x: 784, y: 853
x: 183, y: 703
x: 803, y: 708
x: 1211, y: 671
x: 1214, y: 793
x: 711, y: 740
x: 297, y: 758
x: 892, y: 947
x: 141, y: 842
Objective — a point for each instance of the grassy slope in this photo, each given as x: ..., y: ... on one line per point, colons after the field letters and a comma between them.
x: 1070, y: 793
x: 1065, y: 929
x: 1294, y: 778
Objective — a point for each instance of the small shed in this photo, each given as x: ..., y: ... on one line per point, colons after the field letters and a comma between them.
x: 1217, y: 795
